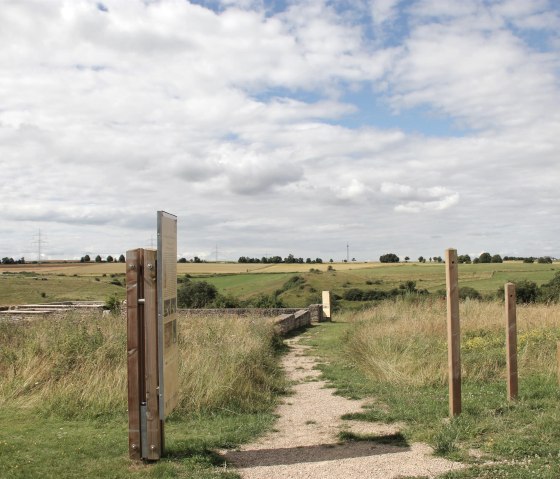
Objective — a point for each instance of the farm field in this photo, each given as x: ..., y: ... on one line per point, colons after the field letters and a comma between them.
x: 77, y: 281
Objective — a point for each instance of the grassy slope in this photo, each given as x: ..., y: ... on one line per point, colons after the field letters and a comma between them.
x: 23, y: 288
x: 524, y: 435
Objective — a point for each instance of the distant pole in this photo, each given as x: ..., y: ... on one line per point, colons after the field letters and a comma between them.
x: 511, y: 342
x: 40, y: 242
x: 347, y: 253
x: 453, y: 332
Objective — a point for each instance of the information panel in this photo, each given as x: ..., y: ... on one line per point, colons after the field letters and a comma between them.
x: 168, y: 350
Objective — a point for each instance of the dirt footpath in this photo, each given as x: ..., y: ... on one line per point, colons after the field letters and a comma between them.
x: 305, y: 442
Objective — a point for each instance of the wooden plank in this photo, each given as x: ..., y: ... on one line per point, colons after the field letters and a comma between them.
x: 133, y: 345
x: 453, y: 332
x: 151, y: 359
x: 511, y: 341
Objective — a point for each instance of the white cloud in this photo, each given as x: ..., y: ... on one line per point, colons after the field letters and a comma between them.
x: 249, y: 122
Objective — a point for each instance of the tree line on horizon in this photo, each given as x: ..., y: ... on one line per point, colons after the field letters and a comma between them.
x: 466, y: 259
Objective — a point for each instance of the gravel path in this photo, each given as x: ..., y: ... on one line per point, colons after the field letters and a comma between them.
x: 305, y: 443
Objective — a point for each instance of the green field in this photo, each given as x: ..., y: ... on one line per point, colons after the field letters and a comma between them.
x: 18, y: 287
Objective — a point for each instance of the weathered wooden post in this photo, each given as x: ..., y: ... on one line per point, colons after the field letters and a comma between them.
x: 145, y: 427
x: 453, y: 332
x: 327, y: 305
x: 511, y: 341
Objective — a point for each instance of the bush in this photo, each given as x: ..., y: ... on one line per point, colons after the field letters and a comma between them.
x: 112, y: 304
x: 265, y: 301
x: 466, y: 292
x: 526, y: 291
x: 196, y: 294
x: 550, y: 292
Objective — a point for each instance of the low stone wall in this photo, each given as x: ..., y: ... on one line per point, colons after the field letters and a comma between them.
x: 285, y: 323
x: 316, y: 312
x: 265, y: 312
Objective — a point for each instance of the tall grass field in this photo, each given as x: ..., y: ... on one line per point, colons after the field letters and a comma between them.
x: 396, y: 353
x: 63, y: 395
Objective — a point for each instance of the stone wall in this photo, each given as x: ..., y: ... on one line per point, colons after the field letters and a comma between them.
x: 285, y: 323
x: 265, y: 312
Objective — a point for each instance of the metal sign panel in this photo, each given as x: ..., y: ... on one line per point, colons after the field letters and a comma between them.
x: 168, y: 351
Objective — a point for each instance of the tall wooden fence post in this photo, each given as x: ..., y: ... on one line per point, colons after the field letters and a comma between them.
x: 135, y: 360
x: 145, y: 427
x: 453, y: 332
x: 511, y: 341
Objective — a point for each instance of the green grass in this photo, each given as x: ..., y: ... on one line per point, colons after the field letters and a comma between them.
x: 523, y: 436
x: 246, y: 286
x: 50, y: 447
x: 19, y: 288
x: 63, y: 396
x: 25, y: 288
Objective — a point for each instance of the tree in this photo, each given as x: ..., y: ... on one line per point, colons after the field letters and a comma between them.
x: 496, y: 259
x: 318, y: 260
x: 182, y: 260
x: 389, y: 258
x: 485, y: 258
x: 87, y: 259
x: 122, y: 259
x: 421, y: 259
x: 545, y: 260
x: 109, y: 259
x: 98, y: 259
x: 464, y: 259
x: 406, y: 259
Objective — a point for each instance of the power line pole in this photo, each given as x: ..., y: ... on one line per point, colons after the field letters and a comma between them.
x: 216, y: 252
x: 347, y: 253
x: 39, y: 242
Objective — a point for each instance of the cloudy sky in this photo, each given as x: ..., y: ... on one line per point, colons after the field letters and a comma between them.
x: 276, y: 127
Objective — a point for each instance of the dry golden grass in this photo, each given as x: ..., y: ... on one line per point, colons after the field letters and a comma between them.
x: 75, y: 366
x: 406, y: 341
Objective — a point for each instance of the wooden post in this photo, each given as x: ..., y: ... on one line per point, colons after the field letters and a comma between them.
x: 134, y: 321
x: 511, y: 341
x: 145, y: 436
x: 453, y: 332
x: 153, y: 421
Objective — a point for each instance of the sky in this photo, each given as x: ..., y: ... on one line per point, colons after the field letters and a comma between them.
x: 278, y: 127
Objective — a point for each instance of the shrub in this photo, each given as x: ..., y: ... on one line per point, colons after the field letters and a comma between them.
x: 112, y: 304
x: 196, y: 294
x: 550, y: 292
x: 466, y: 292
x: 526, y: 291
